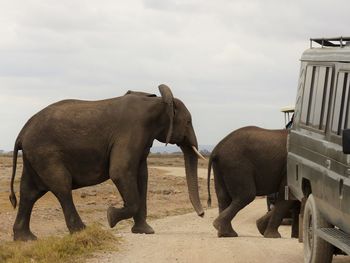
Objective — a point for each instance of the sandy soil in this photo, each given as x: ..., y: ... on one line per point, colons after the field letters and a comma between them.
x: 180, y: 236
x: 167, y: 195
x: 179, y: 171
x: 188, y: 238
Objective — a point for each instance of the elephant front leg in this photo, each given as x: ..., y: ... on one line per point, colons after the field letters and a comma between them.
x: 129, y: 174
x: 127, y: 185
x: 140, y: 225
x: 128, y: 171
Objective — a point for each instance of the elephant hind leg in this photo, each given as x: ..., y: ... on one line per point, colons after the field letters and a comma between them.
x: 242, y: 192
x: 73, y: 220
x: 29, y: 194
x: 223, y: 222
x: 59, y: 181
x: 279, y: 211
x: 224, y: 198
x: 263, y: 221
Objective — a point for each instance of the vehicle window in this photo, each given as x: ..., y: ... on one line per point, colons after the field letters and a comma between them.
x: 311, y: 118
x: 341, y: 104
x: 316, y: 96
x: 347, y: 112
x: 306, y: 95
x: 326, y: 98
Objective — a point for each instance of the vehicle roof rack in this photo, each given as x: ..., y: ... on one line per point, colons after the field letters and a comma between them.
x: 331, y: 42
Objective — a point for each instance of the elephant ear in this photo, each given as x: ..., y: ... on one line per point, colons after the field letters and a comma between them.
x: 140, y: 93
x: 168, y: 98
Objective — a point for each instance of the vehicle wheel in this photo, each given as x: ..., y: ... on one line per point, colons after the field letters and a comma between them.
x: 316, y: 249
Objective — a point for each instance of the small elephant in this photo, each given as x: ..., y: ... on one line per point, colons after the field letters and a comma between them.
x: 249, y: 162
x: 73, y: 143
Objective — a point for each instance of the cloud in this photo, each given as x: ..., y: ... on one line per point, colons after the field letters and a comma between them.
x: 233, y: 63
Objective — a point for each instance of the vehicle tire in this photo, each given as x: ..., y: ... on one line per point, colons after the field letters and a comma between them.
x: 316, y: 249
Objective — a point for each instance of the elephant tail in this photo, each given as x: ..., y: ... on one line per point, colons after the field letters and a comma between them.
x: 208, y: 181
x: 12, y: 196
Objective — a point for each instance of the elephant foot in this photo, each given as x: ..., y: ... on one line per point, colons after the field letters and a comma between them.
x: 142, y: 228
x: 73, y: 228
x: 112, y: 216
x: 261, y: 224
x: 24, y: 236
x: 224, y: 229
x: 272, y: 234
x: 227, y: 234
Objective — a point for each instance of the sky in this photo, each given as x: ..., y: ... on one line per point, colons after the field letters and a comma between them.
x: 232, y: 62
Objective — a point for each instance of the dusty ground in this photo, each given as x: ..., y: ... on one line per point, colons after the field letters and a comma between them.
x: 172, y: 160
x: 167, y: 195
x: 180, y: 236
x: 188, y: 238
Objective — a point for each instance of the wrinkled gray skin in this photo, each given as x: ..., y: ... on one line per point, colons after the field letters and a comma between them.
x: 286, y: 208
x: 73, y: 143
x: 249, y: 162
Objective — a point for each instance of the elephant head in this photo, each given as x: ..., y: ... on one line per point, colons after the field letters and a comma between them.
x: 180, y: 131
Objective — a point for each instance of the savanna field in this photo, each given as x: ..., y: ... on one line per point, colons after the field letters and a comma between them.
x: 167, y: 195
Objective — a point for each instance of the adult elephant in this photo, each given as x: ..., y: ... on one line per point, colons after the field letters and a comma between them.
x: 74, y: 143
x: 249, y: 162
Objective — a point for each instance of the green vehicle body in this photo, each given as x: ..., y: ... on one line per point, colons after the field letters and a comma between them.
x: 316, y: 161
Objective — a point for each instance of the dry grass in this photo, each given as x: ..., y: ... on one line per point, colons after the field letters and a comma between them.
x: 69, y: 248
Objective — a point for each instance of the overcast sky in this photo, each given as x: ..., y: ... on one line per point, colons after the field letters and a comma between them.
x: 233, y: 63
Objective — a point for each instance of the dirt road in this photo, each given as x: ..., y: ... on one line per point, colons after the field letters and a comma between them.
x: 188, y: 238
x: 180, y: 171
x: 181, y: 238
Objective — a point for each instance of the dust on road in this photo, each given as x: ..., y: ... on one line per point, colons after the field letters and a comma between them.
x: 189, y: 238
x: 167, y: 195
x: 181, y: 238
x: 180, y: 171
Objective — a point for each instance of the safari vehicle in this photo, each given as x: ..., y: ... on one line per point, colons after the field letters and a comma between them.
x: 288, y: 112
x: 318, y: 168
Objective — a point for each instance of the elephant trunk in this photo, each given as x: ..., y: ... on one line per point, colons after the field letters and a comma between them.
x: 191, y: 164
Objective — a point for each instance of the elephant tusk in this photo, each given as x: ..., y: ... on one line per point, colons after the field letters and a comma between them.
x: 198, y: 153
